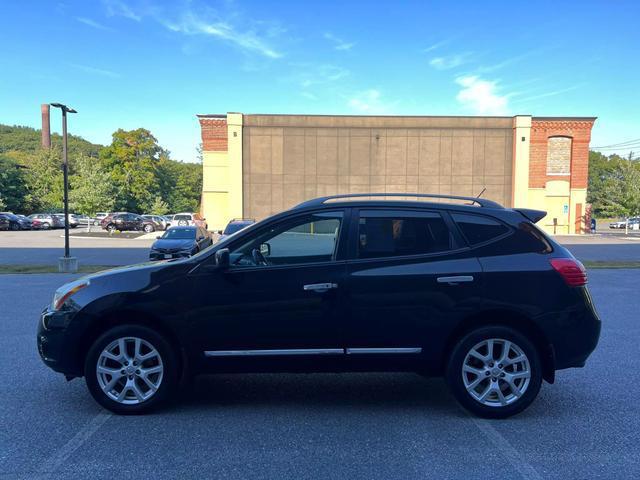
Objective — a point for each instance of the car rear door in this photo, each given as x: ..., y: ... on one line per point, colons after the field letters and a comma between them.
x: 410, y: 279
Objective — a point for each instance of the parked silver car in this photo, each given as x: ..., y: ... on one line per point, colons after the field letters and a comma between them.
x: 46, y: 221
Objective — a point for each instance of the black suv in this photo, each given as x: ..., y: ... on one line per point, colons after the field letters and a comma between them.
x: 475, y: 293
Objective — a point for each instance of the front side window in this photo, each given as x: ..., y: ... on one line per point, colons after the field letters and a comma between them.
x: 393, y: 234
x: 479, y: 228
x: 310, y: 239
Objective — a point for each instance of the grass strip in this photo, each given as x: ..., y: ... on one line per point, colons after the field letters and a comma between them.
x: 611, y: 264
x: 22, y: 268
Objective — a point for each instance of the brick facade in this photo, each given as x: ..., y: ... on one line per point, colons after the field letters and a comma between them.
x: 579, y: 130
x: 214, y: 134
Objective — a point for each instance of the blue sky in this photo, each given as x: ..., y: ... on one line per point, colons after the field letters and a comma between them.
x: 155, y: 64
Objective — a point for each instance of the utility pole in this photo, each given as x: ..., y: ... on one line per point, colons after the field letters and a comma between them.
x: 67, y: 264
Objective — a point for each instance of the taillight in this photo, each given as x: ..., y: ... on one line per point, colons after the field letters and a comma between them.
x: 571, y: 270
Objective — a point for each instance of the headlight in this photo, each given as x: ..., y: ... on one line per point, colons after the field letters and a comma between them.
x: 66, y: 291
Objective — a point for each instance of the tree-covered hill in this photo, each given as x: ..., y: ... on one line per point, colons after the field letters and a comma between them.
x: 134, y: 173
x: 26, y: 139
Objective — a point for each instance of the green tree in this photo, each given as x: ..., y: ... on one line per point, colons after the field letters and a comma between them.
x: 159, y: 207
x: 131, y: 159
x: 614, y: 185
x: 44, y: 181
x: 90, y: 185
x: 13, y: 189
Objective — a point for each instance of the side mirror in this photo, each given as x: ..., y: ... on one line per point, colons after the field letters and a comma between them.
x: 222, y: 258
x: 158, y: 237
x: 219, y: 232
x: 265, y: 249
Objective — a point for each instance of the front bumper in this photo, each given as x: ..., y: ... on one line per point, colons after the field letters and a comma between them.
x: 57, y: 342
x: 155, y: 255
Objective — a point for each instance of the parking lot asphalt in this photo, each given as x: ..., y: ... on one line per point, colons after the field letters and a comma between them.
x: 331, y: 426
x: 46, y: 246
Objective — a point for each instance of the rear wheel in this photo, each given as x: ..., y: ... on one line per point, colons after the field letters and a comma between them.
x: 15, y: 227
x: 148, y: 228
x: 46, y: 226
x: 131, y: 369
x: 494, y: 372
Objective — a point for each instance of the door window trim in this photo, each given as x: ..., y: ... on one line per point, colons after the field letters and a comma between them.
x: 339, y: 254
x: 457, y: 242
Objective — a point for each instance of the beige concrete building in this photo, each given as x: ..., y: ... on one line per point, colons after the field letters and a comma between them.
x: 258, y: 165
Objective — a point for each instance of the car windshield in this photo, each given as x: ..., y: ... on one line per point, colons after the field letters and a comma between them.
x: 234, y: 227
x: 180, y: 234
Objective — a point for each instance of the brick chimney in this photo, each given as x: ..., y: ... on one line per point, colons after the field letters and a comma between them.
x: 46, y: 127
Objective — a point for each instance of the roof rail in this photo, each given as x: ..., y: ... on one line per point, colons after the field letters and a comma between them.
x: 322, y: 200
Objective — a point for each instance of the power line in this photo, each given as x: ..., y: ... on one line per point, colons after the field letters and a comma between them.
x: 621, y: 144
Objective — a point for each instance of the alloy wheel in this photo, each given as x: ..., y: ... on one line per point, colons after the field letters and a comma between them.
x: 496, y: 372
x: 129, y: 370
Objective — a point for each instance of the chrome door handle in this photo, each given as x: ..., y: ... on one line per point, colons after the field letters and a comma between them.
x: 319, y: 287
x: 455, y: 279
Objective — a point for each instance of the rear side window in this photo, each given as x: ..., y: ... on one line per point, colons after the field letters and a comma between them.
x: 479, y: 229
x: 398, y: 233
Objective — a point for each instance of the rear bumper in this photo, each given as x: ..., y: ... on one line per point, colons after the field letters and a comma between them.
x: 574, y: 333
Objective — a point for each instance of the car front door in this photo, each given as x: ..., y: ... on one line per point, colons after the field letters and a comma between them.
x: 279, y: 303
x: 410, y: 278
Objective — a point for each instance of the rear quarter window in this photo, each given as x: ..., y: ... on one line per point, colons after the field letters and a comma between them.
x: 479, y: 229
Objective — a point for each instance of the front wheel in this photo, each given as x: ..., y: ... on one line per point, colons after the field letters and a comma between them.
x: 494, y: 372
x: 131, y: 369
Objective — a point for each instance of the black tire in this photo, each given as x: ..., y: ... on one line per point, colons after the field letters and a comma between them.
x: 149, y: 228
x: 168, y: 384
x: 454, y: 373
x: 15, y: 227
x: 46, y: 226
x: 111, y: 227
x: 183, y: 223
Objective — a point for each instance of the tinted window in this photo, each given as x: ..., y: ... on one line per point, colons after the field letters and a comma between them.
x: 182, y: 217
x: 478, y: 228
x: 180, y: 234
x: 234, y: 227
x: 391, y: 234
x: 310, y: 239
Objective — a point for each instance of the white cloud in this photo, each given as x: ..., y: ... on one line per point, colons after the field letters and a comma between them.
x: 92, y: 23
x: 95, y: 71
x: 197, y: 19
x: 118, y: 8
x: 447, y: 63
x: 191, y: 24
x: 435, y: 46
x: 371, y: 102
x: 339, y: 44
x: 481, y: 96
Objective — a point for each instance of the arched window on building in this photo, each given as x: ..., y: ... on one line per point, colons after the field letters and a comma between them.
x: 559, y: 156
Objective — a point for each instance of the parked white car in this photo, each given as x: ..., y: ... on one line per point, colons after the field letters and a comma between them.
x: 188, y: 219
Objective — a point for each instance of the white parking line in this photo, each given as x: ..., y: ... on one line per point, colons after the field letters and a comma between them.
x: 527, y: 472
x: 61, y: 455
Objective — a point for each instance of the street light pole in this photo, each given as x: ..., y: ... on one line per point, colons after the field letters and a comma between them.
x: 67, y: 263
x: 65, y: 179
